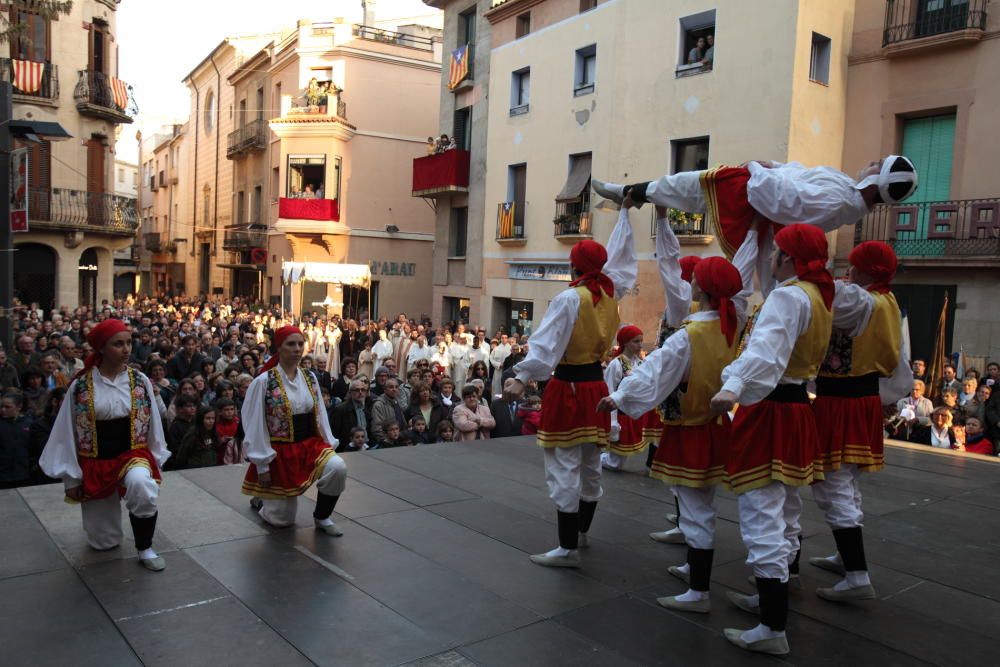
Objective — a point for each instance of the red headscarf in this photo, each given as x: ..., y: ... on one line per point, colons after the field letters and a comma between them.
x: 279, y: 337
x: 97, y: 339
x: 718, y: 278
x: 588, y: 257
x: 687, y: 266
x: 624, y: 335
x: 878, y: 260
x: 806, y: 245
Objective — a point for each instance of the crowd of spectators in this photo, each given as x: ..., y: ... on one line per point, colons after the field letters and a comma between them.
x: 385, y: 383
x: 440, y: 145
x: 963, y: 415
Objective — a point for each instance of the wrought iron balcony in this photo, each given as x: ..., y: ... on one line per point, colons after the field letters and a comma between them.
x: 907, y: 20
x: 100, y: 212
x: 394, y: 38
x: 244, y: 237
x: 251, y: 137
x: 510, y: 223
x: 683, y: 223
x: 45, y: 87
x: 105, y: 97
x: 442, y: 173
x: 942, y: 231
x: 573, y: 218
x: 152, y: 241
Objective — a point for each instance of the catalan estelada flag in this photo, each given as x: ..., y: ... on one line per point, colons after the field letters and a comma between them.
x: 119, y: 90
x: 505, y: 220
x: 27, y: 75
x: 459, y: 66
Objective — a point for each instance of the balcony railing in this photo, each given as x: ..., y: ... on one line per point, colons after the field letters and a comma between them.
x: 106, y: 97
x: 572, y: 218
x: 442, y: 173
x: 683, y: 223
x: 251, y: 137
x: 395, y: 38
x: 86, y: 211
x: 510, y: 221
x: 152, y: 241
x: 940, y: 229
x: 913, y: 19
x: 245, y: 237
x: 29, y: 84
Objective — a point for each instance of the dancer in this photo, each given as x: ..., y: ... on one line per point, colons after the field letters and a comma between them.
x: 572, y: 339
x: 288, y: 439
x: 774, y: 445
x: 107, y: 443
x: 864, y: 360
x: 627, y: 435
x: 695, y: 445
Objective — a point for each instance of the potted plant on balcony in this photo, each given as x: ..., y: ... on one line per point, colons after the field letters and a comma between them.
x: 684, y: 222
x: 169, y: 247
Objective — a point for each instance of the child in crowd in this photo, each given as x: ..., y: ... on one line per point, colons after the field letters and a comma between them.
x: 530, y: 413
x: 392, y: 436
x: 229, y: 431
x: 445, y: 431
x: 418, y: 433
x: 186, y: 407
x: 200, y: 446
x: 358, y: 441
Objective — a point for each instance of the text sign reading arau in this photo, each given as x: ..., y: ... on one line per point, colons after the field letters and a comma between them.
x: 392, y: 268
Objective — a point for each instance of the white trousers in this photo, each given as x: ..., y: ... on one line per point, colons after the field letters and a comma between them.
x: 839, y: 496
x: 102, y: 519
x: 697, y: 520
x: 769, y: 524
x: 281, y: 513
x: 573, y: 474
x: 681, y: 191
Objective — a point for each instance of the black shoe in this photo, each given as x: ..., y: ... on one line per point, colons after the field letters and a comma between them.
x: 256, y: 503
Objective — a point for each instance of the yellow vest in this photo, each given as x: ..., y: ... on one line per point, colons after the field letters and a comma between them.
x: 594, y: 330
x: 810, y: 349
x: 874, y: 350
x: 710, y: 353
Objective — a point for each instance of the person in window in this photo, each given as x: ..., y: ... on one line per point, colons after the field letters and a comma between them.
x: 309, y: 193
x: 319, y: 191
x: 709, y: 56
x: 696, y: 54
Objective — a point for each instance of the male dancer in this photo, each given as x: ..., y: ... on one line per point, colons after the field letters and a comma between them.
x: 774, y: 447
x: 695, y: 445
x: 573, y: 338
x: 864, y: 360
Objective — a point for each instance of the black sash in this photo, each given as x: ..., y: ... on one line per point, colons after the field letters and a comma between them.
x: 114, y: 437
x: 579, y: 372
x: 789, y: 393
x: 304, y: 425
x: 848, y: 387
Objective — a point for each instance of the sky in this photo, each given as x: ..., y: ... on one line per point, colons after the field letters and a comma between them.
x: 160, y: 43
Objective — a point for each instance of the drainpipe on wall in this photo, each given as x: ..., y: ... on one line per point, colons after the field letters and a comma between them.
x: 194, y: 183
x: 218, y: 134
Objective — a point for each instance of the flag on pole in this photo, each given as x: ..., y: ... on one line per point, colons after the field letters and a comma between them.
x: 459, y: 66
x: 27, y: 76
x: 936, y: 367
x: 119, y: 90
x: 505, y: 219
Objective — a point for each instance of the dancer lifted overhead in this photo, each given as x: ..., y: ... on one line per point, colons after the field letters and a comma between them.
x: 775, y: 446
x: 572, y: 339
x: 865, y: 360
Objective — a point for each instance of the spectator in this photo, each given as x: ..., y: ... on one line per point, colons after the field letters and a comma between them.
x: 348, y: 370
x: 418, y: 352
x: 431, y: 146
x: 708, y: 59
x: 357, y: 442
x: 188, y: 360
x: 54, y: 378
x: 227, y: 358
x: 919, y: 367
x: 381, y: 376
x: 505, y: 415
x: 418, y: 434
x: 969, y: 386
x: 387, y: 407
x: 228, y: 431
x: 33, y: 392
x: 15, y: 443
x: 445, y: 431
x: 481, y: 390
x: 530, y: 413
x: 71, y: 364
x: 142, y: 347
x: 186, y: 407
x: 200, y: 447
x: 423, y: 405
x: 696, y: 54
x: 391, y: 436
x: 9, y: 376
x: 322, y: 376
x: 976, y: 407
x: 472, y: 419
x: 249, y: 362
x: 941, y: 435
x: 949, y: 380
x: 976, y: 441
x: 949, y: 399
x: 446, y: 395
x: 355, y: 412
x: 25, y: 356
x: 443, y: 143
x: 991, y: 415
x: 366, y: 360
x: 156, y: 371
x: 915, y: 411
x: 41, y: 427
x: 992, y: 374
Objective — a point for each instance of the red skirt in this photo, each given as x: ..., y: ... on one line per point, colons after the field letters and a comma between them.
x: 102, y: 477
x: 693, y: 456
x: 728, y: 207
x: 652, y: 428
x: 295, y: 468
x: 773, y: 442
x: 850, y: 431
x: 570, y: 416
x: 631, y: 439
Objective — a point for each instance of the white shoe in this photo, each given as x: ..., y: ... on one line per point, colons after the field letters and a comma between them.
x: 672, y: 536
x: 859, y: 593
x: 331, y: 529
x: 153, y: 564
x: 671, y: 518
x: 607, y: 464
x: 572, y: 559
x: 824, y: 563
x: 680, y: 573
x: 610, y: 191
x: 696, y: 606
x: 772, y: 646
x: 743, y: 602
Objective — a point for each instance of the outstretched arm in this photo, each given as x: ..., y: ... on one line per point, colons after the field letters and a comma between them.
x: 623, y: 263
x: 676, y: 291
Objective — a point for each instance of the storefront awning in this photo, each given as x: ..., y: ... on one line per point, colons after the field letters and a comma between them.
x: 326, y: 272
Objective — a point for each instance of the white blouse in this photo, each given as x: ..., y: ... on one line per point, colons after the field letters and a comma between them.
x: 257, y: 439
x: 112, y: 400
x: 791, y: 193
x: 549, y: 342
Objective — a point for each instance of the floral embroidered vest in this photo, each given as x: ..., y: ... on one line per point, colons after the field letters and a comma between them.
x: 85, y: 418
x: 278, y: 409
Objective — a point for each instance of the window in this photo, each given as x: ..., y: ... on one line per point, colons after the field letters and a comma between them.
x: 819, y: 60
x: 121, y: 175
x: 207, y: 204
x: 573, y: 201
x: 258, y: 195
x: 260, y: 104
x: 275, y: 183
x: 690, y: 154
x: 523, y: 26
x: 306, y: 176
x: 462, y: 130
x: 277, y: 99
x: 241, y: 207
x: 34, y: 43
x: 135, y: 179
x: 587, y: 5
x: 337, y: 171
x: 467, y: 35
x: 517, y: 189
x: 520, y: 91
x: 209, y: 111
x: 586, y: 70
x: 458, y: 233
x: 99, y: 47
x: 243, y: 113
x: 697, y: 43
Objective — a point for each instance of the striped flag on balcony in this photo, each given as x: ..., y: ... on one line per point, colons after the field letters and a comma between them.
x: 119, y: 90
x: 28, y: 75
x: 505, y: 219
x: 459, y: 66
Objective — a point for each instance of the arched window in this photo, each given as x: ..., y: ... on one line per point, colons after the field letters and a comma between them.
x: 210, y: 103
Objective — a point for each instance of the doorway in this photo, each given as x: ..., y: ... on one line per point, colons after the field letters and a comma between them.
x: 88, y: 278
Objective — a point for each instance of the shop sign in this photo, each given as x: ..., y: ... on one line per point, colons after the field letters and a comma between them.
x: 556, y: 272
x: 392, y: 268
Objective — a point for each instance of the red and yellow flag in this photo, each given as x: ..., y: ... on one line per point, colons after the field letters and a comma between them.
x: 459, y: 66
x: 505, y: 220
